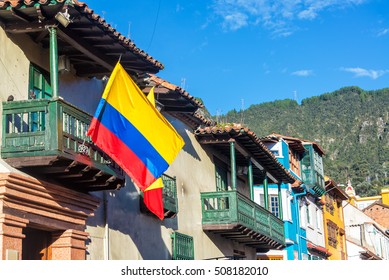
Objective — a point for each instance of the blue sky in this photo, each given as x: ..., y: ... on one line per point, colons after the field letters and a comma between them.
x: 235, y: 53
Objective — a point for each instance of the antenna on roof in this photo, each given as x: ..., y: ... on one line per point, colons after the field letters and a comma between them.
x: 183, y: 83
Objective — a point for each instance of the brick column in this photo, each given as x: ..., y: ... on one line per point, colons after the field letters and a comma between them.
x: 11, y: 236
x: 69, y: 245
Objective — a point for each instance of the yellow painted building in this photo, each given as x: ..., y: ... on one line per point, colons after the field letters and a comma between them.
x: 334, y: 229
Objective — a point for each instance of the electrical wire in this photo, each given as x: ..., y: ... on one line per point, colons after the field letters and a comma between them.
x: 155, y: 26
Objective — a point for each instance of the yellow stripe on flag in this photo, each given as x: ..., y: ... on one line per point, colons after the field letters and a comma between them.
x: 156, y: 185
x: 137, y: 110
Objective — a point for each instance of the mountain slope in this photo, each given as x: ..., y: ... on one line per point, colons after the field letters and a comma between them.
x: 351, y: 125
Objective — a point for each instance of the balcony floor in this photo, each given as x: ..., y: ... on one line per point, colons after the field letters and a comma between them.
x: 243, y: 235
x: 74, y: 172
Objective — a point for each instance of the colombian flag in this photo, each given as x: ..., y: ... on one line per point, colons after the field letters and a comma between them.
x: 128, y: 128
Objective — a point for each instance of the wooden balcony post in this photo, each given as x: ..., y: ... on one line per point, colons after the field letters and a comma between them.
x: 233, y: 164
x: 53, y: 60
x: 266, y: 193
x: 280, y: 202
x: 250, y: 178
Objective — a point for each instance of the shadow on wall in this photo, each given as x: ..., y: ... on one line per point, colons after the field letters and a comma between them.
x: 229, y: 249
x: 183, y: 130
x: 129, y: 227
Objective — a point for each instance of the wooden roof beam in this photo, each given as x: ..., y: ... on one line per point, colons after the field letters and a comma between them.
x: 17, y: 28
x: 83, y: 47
x: 20, y: 15
x: 245, y: 153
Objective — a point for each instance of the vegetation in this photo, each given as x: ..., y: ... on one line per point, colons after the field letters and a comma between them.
x: 350, y: 124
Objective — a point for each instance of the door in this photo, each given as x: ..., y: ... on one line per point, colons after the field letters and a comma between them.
x: 36, y: 244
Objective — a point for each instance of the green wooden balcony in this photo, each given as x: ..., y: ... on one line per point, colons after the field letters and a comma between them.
x: 169, y: 196
x: 238, y: 218
x: 46, y: 138
x: 312, y: 171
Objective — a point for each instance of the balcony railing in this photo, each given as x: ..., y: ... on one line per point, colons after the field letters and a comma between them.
x: 51, y: 133
x: 232, y: 211
x: 169, y: 196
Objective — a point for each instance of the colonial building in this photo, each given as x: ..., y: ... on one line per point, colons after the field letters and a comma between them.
x: 54, y: 56
x: 288, y: 151
x: 210, y: 212
x: 334, y: 230
x: 302, y: 213
x: 61, y: 197
x: 365, y: 238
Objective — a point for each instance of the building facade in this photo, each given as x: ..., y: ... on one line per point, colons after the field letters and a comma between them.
x: 61, y: 197
x: 52, y: 82
x: 302, y: 211
x: 334, y: 229
x: 365, y: 238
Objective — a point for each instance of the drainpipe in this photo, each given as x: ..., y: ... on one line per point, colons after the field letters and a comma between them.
x: 250, y: 177
x: 233, y: 164
x: 280, y: 214
x: 298, y: 229
x: 53, y: 60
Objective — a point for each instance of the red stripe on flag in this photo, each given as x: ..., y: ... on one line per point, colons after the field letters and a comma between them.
x: 121, y: 154
x: 153, y: 201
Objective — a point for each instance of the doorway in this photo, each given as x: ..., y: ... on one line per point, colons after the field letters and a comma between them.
x: 36, y: 244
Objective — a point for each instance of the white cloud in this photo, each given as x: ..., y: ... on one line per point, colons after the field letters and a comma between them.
x: 303, y: 73
x: 361, y: 72
x: 235, y: 21
x: 277, y: 16
x: 382, y: 32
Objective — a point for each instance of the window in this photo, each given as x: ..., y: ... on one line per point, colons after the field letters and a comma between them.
x: 39, y: 87
x: 294, y: 162
x: 318, y: 219
x: 182, y: 246
x: 39, y: 83
x: 308, y: 217
x: 221, y: 176
x: 274, y: 205
x: 332, y: 233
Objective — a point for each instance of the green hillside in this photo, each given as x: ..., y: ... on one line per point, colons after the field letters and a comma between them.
x: 350, y: 124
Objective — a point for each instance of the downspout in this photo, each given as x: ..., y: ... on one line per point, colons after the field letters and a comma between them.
x: 280, y: 210
x: 298, y: 229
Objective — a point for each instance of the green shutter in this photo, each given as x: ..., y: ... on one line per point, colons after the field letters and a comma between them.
x: 39, y: 85
x: 221, y: 178
x: 182, y: 246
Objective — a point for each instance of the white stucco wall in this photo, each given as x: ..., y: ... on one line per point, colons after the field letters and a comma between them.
x: 362, y: 231
x: 315, y: 227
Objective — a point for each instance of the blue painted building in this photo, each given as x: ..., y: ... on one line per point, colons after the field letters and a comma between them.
x: 301, y: 209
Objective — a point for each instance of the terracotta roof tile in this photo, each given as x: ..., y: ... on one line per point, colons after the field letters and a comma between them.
x: 84, y: 9
x: 253, y: 143
x: 163, y: 83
